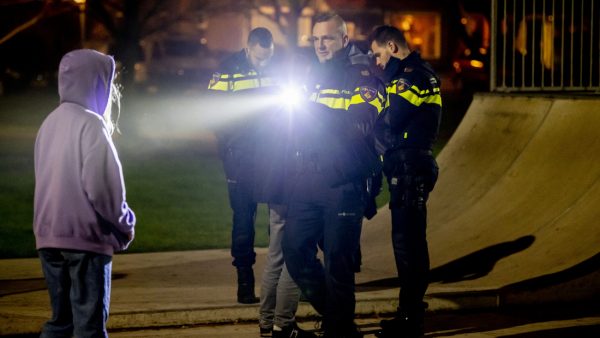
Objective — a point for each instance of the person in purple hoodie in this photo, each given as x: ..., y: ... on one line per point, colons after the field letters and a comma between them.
x: 80, y: 214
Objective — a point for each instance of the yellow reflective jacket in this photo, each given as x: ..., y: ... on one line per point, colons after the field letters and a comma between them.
x: 345, y: 99
x: 413, y: 109
x: 238, y: 87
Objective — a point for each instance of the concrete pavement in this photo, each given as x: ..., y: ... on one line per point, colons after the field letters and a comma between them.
x: 192, y: 294
x: 185, y: 288
x: 481, y: 324
x: 185, y: 294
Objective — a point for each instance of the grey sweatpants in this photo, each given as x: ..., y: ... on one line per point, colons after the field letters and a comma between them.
x: 279, y: 294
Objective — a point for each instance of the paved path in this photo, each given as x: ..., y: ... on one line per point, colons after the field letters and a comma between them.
x: 181, y: 288
x: 455, y: 325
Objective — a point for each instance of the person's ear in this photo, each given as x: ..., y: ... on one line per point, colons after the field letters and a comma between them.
x: 393, y: 47
x: 345, y: 40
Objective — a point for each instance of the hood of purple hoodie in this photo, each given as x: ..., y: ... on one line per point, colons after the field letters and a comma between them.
x: 85, y: 77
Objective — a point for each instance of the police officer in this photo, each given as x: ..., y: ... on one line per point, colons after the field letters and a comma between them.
x: 244, y: 74
x: 332, y: 158
x: 405, y: 133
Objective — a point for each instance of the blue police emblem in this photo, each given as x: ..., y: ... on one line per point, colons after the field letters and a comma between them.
x: 368, y: 94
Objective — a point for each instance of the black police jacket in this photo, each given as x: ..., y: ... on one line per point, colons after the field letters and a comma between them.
x: 332, y: 134
x: 412, y: 115
x: 269, y: 162
x: 235, y: 87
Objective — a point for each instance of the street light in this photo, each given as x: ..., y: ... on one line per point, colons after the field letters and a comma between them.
x: 81, y: 5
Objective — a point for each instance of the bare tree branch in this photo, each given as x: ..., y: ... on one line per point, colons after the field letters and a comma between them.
x: 115, y: 5
x: 96, y: 8
x: 277, y: 15
x: 22, y: 27
x: 16, y: 2
x: 152, y: 11
x: 46, y: 12
x: 165, y: 24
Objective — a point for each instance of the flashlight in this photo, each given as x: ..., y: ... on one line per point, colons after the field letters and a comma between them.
x: 291, y: 96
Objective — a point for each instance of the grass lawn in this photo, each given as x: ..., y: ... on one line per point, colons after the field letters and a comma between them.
x: 174, y: 181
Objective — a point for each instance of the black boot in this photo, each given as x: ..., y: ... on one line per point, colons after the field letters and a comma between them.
x: 245, y: 293
x: 350, y: 331
x: 401, y: 326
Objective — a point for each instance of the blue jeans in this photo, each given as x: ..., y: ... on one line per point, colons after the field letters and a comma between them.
x: 279, y: 295
x: 79, y: 287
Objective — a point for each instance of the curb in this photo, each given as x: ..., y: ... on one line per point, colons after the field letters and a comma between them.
x: 371, y: 307
x: 365, y: 307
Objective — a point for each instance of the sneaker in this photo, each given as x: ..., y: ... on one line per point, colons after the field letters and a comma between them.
x: 293, y: 331
x: 266, y: 332
x: 400, y: 327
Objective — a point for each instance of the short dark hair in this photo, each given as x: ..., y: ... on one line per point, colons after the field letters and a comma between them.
x: 383, y: 34
x: 260, y: 35
x: 327, y: 16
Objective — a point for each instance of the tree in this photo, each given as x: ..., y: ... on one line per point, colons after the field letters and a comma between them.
x: 130, y: 21
x: 34, y: 35
x: 288, y: 21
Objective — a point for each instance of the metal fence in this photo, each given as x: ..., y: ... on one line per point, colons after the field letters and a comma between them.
x: 545, y: 45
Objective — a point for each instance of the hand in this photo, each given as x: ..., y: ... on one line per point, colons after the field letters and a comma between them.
x: 130, y: 235
x: 376, y: 184
x: 370, y: 208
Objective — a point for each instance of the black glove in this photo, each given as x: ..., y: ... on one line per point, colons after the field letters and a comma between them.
x: 373, y: 189
x: 376, y: 184
x: 371, y: 208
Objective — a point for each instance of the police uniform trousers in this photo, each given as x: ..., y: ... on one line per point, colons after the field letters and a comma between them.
x: 411, y: 175
x: 320, y: 215
x: 243, y: 205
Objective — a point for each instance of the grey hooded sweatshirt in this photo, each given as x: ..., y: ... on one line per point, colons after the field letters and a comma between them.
x: 79, y: 201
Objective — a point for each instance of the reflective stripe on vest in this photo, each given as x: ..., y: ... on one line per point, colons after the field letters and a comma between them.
x: 414, y: 95
x: 237, y: 82
x: 343, y: 99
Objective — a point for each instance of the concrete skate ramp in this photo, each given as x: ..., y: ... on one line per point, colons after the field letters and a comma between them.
x: 518, y: 197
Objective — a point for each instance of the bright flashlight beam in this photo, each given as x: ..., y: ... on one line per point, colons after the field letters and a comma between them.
x: 190, y: 117
x: 291, y: 96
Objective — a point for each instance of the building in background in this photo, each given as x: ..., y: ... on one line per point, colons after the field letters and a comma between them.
x: 160, y: 42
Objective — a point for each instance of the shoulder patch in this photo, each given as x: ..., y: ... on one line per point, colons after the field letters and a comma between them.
x: 368, y: 94
x: 215, y: 78
x: 402, y: 85
x: 408, y: 69
x: 365, y: 72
